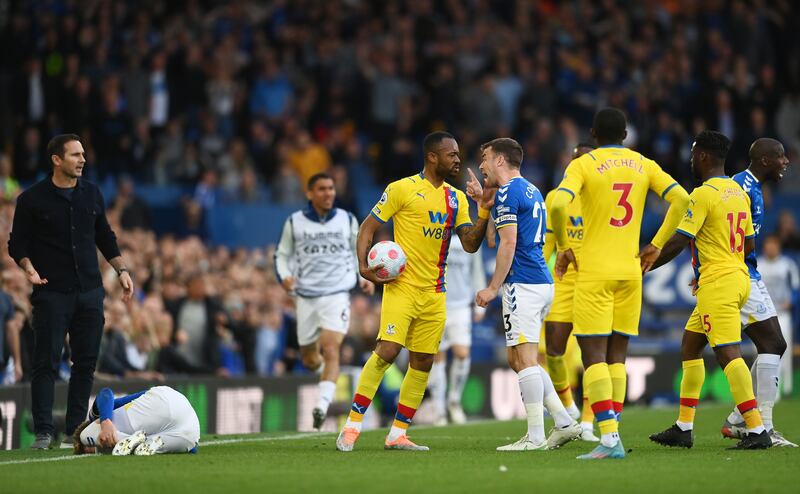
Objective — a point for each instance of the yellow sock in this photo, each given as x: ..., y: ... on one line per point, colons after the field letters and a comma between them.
x: 411, y: 392
x: 619, y: 380
x: 694, y: 373
x: 597, y: 381
x: 741, y: 385
x: 557, y: 369
x: 368, y: 383
x: 587, y: 415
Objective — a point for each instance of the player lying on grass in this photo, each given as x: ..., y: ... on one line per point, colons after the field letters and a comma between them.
x: 523, y: 279
x: 158, y: 420
x: 719, y: 228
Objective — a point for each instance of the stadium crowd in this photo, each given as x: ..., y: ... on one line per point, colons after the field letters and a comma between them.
x: 245, y: 100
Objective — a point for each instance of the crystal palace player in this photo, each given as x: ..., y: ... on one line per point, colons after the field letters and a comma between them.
x: 719, y: 227
x: 522, y: 275
x: 768, y: 162
x: 558, y: 323
x: 612, y: 183
x: 426, y: 211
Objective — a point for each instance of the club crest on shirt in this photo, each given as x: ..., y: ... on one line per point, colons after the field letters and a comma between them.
x: 390, y: 329
x: 453, y: 202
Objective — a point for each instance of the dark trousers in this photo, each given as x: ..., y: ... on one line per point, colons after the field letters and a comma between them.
x: 54, y: 315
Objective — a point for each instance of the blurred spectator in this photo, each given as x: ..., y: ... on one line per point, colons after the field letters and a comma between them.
x: 307, y: 158
x: 195, y: 342
x: 781, y: 276
x: 133, y: 212
x: 787, y: 231
x: 9, y: 187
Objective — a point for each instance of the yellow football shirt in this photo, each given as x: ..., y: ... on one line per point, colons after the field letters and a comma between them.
x: 574, y: 231
x: 718, y: 220
x: 424, y: 218
x: 612, y: 182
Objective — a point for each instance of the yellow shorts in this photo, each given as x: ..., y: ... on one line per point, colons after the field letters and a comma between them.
x: 412, y: 317
x: 561, y: 310
x: 606, y: 306
x: 717, y: 311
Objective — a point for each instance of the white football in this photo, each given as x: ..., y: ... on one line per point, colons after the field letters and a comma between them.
x: 391, y: 255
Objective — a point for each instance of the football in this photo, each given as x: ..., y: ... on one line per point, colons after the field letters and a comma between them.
x: 391, y: 255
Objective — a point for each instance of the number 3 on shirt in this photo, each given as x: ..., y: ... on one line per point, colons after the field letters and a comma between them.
x: 623, y: 202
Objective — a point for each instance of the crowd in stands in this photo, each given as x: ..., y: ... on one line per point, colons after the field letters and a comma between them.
x: 244, y: 100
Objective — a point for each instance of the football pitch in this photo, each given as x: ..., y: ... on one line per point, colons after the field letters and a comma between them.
x: 462, y: 459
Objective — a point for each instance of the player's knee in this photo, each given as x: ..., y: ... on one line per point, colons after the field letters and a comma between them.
x: 421, y: 361
x: 330, y: 352
x: 461, y: 352
x: 311, y: 361
x: 387, y: 350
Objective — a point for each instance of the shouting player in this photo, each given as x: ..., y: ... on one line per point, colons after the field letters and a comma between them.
x: 527, y: 290
x: 465, y: 276
x: 612, y: 183
x: 558, y: 322
x: 426, y: 211
x: 719, y: 228
x: 159, y: 420
x: 315, y: 260
x: 768, y: 162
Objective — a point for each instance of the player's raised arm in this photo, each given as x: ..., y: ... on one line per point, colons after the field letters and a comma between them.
x: 472, y: 236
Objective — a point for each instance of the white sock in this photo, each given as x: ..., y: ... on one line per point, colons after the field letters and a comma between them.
x: 459, y: 373
x: 587, y: 426
x: 685, y: 426
x: 396, y: 432
x: 610, y: 439
x: 437, y: 382
x: 553, y: 403
x: 320, y: 369
x: 326, y: 391
x: 352, y: 424
x: 532, y: 390
x: 768, y: 367
x: 573, y: 411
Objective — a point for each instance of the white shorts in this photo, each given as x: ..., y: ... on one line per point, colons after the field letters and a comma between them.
x: 524, y: 308
x: 160, y: 411
x: 759, y: 305
x: 330, y: 312
x: 457, y: 328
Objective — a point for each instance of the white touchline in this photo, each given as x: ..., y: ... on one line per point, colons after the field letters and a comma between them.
x: 218, y: 442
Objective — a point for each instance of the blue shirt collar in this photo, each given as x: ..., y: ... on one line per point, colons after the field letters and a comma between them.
x: 311, y: 213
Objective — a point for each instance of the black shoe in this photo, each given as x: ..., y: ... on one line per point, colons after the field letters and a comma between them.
x: 673, y: 437
x: 754, y: 441
x: 319, y: 418
x: 43, y: 440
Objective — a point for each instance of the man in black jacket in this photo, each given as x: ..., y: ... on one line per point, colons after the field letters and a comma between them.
x: 58, y: 224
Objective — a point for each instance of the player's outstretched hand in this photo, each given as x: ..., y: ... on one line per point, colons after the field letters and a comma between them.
x: 648, y: 256
x: 483, y: 297
x: 366, y: 286
x: 371, y: 274
x: 563, y: 260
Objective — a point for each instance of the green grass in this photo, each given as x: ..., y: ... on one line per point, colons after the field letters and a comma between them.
x: 462, y: 459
